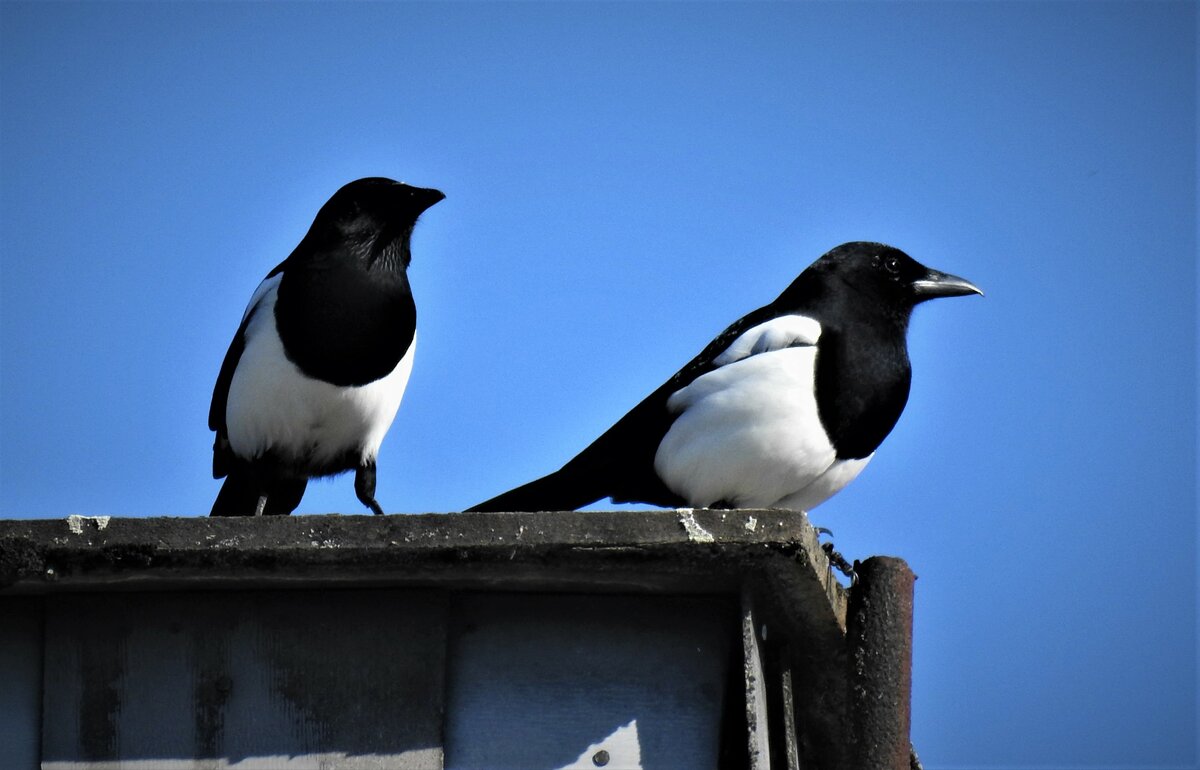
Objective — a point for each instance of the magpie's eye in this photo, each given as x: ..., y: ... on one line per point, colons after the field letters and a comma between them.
x: 892, y: 264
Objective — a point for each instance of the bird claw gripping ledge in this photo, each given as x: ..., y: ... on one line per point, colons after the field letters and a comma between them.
x: 835, y: 557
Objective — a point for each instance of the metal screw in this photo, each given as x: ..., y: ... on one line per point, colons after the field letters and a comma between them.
x: 600, y: 758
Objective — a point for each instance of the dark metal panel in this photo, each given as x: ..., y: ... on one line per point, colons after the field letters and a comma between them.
x: 574, y: 681
x: 20, y: 683
x: 330, y: 679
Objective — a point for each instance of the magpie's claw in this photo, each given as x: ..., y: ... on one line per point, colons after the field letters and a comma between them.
x: 839, y: 561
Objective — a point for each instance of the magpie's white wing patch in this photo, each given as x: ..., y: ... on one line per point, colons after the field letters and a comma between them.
x: 748, y: 433
x: 778, y: 333
x: 275, y: 407
x: 270, y: 284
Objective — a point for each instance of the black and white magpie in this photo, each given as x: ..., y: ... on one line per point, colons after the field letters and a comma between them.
x: 316, y: 371
x: 782, y: 410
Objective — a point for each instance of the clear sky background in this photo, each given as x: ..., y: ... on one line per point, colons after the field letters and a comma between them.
x: 622, y: 182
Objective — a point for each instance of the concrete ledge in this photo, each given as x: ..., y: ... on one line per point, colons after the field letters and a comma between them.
x: 702, y: 551
x: 767, y: 562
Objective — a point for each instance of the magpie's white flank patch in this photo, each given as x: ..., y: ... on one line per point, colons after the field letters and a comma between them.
x: 748, y: 433
x: 274, y: 406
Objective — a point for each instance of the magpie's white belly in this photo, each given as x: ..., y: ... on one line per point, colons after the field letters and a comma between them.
x: 748, y: 434
x: 825, y: 486
x: 309, y: 424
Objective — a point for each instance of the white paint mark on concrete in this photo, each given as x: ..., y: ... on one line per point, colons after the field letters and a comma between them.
x: 695, y: 532
x: 751, y: 523
x: 75, y: 523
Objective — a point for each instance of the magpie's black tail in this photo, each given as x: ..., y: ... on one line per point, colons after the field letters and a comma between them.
x: 241, y: 490
x: 619, y: 465
x: 558, y: 491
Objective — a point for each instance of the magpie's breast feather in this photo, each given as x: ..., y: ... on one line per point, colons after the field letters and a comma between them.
x: 315, y: 427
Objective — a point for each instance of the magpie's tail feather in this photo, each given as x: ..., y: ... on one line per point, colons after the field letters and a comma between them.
x: 240, y: 492
x: 559, y: 491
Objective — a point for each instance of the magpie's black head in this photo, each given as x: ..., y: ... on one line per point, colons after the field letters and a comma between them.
x: 874, y: 276
x: 372, y: 220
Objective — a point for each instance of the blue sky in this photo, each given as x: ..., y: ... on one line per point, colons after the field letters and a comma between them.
x: 623, y: 181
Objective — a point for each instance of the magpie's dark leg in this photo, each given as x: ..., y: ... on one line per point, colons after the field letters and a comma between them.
x: 364, y: 486
x: 835, y: 558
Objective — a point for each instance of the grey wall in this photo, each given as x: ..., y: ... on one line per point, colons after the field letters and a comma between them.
x: 362, y: 678
x: 550, y: 681
x: 20, y: 682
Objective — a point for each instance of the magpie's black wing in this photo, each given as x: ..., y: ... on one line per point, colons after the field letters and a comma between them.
x: 222, y: 454
x: 620, y: 463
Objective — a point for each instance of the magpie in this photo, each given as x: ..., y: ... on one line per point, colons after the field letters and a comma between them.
x: 782, y: 410
x: 317, y: 368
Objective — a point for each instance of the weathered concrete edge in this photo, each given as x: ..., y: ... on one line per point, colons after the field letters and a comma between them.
x: 415, y: 530
x: 773, y: 555
x: 47, y: 555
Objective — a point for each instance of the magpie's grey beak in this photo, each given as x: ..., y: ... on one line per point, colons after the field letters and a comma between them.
x: 424, y: 197
x: 938, y: 284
